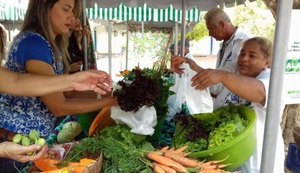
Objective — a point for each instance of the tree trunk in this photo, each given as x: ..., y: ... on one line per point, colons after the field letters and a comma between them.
x: 290, y: 119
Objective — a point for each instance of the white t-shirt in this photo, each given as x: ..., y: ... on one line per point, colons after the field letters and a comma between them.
x: 189, y: 55
x: 253, y: 164
x: 229, y: 60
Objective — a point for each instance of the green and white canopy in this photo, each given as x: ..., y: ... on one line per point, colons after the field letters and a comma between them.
x: 10, y: 12
x: 142, y: 14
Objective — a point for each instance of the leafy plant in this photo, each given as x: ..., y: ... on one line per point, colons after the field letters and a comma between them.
x: 122, y: 150
x: 216, y: 128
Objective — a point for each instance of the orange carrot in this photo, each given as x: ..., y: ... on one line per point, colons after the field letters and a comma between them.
x: 166, y: 161
x: 175, y: 153
x: 213, y: 171
x: 181, y: 149
x: 212, y: 167
x: 158, y: 169
x: 171, y: 154
x: 166, y: 168
x: 164, y: 149
x: 214, y: 162
x: 184, y: 161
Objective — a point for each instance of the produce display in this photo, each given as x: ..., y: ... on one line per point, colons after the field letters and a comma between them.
x: 115, y: 149
x: 208, y: 130
x: 125, y: 152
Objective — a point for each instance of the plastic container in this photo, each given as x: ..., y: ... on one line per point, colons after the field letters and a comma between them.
x: 85, y: 119
x: 237, y: 151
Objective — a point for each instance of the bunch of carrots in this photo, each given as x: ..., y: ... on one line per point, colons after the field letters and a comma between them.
x: 174, y: 160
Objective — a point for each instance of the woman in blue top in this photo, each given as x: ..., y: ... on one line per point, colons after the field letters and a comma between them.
x: 38, y: 49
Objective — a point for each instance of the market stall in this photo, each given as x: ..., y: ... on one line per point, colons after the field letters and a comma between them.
x: 276, y: 86
x: 127, y: 137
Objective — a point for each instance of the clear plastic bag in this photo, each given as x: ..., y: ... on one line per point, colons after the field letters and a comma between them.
x: 141, y: 122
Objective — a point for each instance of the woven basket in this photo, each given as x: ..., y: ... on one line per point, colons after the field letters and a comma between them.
x: 95, y: 167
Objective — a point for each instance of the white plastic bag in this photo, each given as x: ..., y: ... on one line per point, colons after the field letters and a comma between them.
x: 197, y: 101
x: 141, y: 122
x: 176, y: 100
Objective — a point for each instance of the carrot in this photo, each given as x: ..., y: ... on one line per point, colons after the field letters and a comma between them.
x: 164, y: 149
x: 166, y: 161
x: 184, y: 161
x: 181, y: 149
x: 213, y: 167
x: 166, y: 168
x: 213, y: 162
x: 158, y: 169
x: 212, y: 171
x: 173, y: 153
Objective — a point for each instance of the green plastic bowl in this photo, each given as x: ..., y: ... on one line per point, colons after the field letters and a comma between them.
x: 238, y: 151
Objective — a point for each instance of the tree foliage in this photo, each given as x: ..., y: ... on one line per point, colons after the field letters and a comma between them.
x: 256, y: 18
x: 198, y: 32
x: 251, y: 16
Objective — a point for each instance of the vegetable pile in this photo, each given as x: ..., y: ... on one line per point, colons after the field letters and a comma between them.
x: 175, y: 160
x: 137, y: 89
x: 122, y: 150
x: 208, y: 130
x: 125, y: 152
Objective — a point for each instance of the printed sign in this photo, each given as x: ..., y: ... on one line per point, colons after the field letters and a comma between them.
x: 292, y: 63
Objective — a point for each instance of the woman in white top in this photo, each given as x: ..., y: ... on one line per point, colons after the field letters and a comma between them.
x: 249, y: 87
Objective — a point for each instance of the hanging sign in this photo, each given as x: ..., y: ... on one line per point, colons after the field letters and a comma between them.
x: 292, y: 63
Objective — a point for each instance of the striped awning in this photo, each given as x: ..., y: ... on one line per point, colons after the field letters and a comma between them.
x: 142, y: 14
x: 122, y: 13
x: 11, y: 12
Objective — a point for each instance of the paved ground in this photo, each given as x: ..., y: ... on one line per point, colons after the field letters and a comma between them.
x: 206, y: 61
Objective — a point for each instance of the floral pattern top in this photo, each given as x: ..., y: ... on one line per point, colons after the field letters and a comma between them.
x: 22, y: 114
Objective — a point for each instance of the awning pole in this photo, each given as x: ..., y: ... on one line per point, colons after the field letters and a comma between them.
x: 84, y: 38
x: 183, y: 28
x: 109, y: 47
x: 127, y: 44
x: 274, y: 106
x: 176, y: 38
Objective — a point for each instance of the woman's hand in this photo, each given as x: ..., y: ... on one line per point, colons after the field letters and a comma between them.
x: 19, y: 153
x: 98, y: 81
x: 176, y: 62
x: 207, y: 78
